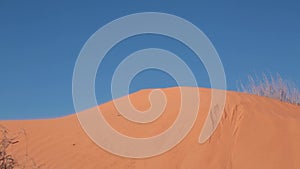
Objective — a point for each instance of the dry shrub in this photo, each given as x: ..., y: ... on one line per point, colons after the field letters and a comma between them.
x: 7, y: 160
x: 272, y: 87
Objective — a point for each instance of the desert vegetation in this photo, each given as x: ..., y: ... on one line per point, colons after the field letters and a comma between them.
x: 273, y: 87
x: 7, y: 160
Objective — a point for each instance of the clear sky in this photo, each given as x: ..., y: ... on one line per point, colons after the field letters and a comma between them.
x: 40, y: 41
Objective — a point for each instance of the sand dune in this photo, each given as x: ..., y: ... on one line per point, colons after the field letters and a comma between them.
x: 254, y: 133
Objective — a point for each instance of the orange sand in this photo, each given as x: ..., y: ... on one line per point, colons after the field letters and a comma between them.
x: 254, y: 133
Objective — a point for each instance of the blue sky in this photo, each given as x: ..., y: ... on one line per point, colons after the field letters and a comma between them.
x: 40, y: 41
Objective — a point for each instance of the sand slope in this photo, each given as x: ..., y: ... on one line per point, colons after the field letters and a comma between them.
x: 254, y: 133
